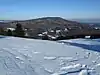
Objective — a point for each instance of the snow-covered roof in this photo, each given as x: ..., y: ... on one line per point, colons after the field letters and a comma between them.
x: 57, y: 31
x: 11, y: 29
x: 96, y: 28
x: 20, y: 56
x: 45, y: 33
x: 40, y: 34
x: 52, y: 31
x: 66, y: 30
x: 87, y: 37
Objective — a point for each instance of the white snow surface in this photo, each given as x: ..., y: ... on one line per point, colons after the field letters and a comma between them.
x: 83, y: 72
x: 20, y: 56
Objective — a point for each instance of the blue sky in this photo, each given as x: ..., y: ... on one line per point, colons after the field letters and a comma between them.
x: 69, y: 9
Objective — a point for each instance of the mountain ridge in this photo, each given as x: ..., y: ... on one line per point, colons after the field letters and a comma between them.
x: 45, y: 21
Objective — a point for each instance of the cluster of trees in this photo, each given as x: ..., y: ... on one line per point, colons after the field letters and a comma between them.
x: 18, y: 32
x: 2, y: 32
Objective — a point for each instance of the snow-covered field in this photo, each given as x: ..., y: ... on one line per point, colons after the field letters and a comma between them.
x: 20, y: 56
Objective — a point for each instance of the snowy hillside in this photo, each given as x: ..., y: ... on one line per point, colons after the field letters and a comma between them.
x: 19, y: 56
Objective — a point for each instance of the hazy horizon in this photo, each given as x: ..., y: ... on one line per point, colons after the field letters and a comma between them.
x: 31, y: 9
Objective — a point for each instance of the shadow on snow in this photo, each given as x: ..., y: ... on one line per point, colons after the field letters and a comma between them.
x: 84, y: 46
x: 2, y: 37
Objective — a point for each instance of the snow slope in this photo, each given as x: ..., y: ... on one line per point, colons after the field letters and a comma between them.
x: 20, y: 56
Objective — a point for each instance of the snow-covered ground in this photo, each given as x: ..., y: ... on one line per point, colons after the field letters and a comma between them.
x: 20, y: 56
